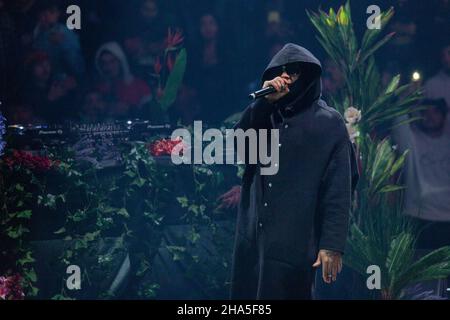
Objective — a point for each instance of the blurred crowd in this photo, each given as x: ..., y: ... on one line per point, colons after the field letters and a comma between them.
x: 109, y: 70
x: 106, y: 70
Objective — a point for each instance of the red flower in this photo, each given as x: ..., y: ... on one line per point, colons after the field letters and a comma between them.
x: 170, y: 62
x: 11, y: 288
x: 158, y: 66
x: 164, y: 147
x: 30, y: 161
x: 173, y: 39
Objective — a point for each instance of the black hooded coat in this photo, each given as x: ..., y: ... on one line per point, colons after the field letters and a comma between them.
x: 286, y: 218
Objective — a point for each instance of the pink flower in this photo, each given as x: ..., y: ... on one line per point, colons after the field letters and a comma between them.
x: 4, y: 290
x: 11, y: 288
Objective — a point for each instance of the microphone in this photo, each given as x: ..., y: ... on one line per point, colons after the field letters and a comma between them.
x: 262, y: 92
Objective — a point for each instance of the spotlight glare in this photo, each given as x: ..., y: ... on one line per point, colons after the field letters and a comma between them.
x: 416, y: 76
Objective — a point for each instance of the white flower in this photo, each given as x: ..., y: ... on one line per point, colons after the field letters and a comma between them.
x: 352, y: 132
x: 352, y: 115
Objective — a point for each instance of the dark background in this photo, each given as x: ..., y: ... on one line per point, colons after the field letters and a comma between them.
x: 245, y: 34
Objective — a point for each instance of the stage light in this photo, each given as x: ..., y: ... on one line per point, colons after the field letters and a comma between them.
x: 416, y: 76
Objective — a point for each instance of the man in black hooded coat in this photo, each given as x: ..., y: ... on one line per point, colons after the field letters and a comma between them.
x: 299, y: 217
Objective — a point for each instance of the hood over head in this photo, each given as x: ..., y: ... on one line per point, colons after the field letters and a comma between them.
x: 115, y: 49
x: 308, y: 87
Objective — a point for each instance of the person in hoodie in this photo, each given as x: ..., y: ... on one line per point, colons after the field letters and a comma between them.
x: 54, y: 38
x: 125, y: 93
x: 50, y: 97
x: 296, y: 220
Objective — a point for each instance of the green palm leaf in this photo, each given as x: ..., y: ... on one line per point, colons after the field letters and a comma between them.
x: 174, y: 81
x: 380, y: 233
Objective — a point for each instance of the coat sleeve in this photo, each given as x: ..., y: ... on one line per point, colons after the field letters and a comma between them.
x: 255, y: 116
x: 335, y: 196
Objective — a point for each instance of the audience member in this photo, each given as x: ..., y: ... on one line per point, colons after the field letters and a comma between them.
x: 210, y: 71
x: 146, y: 41
x: 94, y: 108
x: 427, y: 172
x: 51, y: 96
x: 125, y: 94
x: 61, y: 44
x: 439, y: 85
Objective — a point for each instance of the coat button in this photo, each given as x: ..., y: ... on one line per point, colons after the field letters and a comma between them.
x: 260, y: 224
x: 265, y: 204
x: 276, y: 165
x: 286, y: 126
x: 279, y: 145
x: 270, y: 184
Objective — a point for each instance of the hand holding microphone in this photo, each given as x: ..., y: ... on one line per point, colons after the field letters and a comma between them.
x: 273, y: 89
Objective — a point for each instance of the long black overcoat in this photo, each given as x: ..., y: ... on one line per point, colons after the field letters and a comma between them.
x: 284, y: 219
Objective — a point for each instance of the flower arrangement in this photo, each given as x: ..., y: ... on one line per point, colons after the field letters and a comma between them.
x: 164, y: 147
x: 352, y: 116
x: 28, y: 160
x: 169, y: 69
x: 11, y: 288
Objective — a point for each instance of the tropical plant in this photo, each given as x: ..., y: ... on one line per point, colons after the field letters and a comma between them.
x: 363, y: 89
x: 169, y: 70
x: 380, y: 233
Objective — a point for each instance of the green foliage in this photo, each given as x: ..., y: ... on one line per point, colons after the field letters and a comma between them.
x: 105, y: 217
x: 211, y: 269
x: 174, y: 81
x: 16, y: 198
x: 363, y: 86
x: 168, y: 75
x: 380, y: 233
x: 381, y: 165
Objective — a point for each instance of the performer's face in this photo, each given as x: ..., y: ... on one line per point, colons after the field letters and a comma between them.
x: 290, y: 71
x: 294, y: 77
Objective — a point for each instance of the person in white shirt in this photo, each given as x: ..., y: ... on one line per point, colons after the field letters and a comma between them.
x: 439, y: 85
x: 427, y: 172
